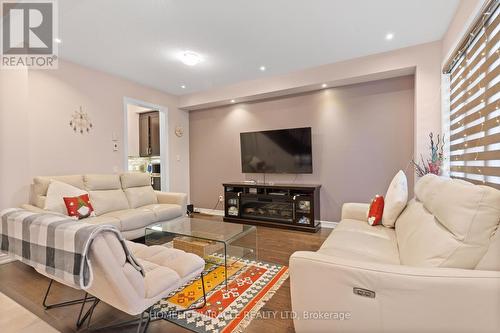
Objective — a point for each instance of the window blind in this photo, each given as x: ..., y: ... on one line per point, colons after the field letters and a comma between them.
x: 474, y: 104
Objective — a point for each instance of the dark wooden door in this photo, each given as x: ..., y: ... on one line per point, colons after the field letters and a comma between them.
x: 144, y: 135
x: 154, y: 133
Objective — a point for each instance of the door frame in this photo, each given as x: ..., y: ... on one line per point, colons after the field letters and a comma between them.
x: 164, y: 140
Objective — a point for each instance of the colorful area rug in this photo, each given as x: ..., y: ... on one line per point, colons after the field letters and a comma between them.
x: 250, y: 285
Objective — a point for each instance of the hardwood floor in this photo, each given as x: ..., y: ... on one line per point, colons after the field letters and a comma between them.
x: 24, y: 285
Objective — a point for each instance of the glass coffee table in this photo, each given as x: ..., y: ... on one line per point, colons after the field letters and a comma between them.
x: 219, y: 243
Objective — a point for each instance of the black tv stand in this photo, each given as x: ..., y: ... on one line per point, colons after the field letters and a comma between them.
x: 289, y: 206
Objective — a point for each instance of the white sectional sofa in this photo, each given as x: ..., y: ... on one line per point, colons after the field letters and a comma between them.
x: 127, y: 201
x: 437, y: 271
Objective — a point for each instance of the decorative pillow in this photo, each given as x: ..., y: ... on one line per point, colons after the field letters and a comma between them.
x: 56, y: 192
x: 395, y: 199
x: 79, y: 206
x: 376, y: 210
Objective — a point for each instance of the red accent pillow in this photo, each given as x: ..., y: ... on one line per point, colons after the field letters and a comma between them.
x: 376, y: 210
x: 79, y: 206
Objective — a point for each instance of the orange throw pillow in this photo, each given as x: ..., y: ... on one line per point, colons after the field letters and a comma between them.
x: 376, y: 210
x: 79, y: 206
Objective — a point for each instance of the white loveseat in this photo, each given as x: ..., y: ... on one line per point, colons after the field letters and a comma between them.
x: 127, y: 201
x: 437, y: 271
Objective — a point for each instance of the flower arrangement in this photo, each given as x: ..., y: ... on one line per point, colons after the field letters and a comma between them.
x: 432, y: 165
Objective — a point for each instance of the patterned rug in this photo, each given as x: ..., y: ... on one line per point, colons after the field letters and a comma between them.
x: 250, y: 285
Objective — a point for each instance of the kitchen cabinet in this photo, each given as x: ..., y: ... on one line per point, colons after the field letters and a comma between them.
x: 149, y: 134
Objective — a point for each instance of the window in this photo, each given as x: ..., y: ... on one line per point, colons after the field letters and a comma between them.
x: 474, y: 131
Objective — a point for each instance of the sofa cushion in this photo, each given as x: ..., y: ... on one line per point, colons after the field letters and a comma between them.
x: 426, y: 188
x: 395, y: 199
x: 131, y: 219
x: 165, y: 211
x: 104, y: 220
x: 135, y: 179
x: 470, y: 212
x: 108, y: 200
x: 422, y: 241
x: 41, y: 183
x: 158, y: 278
x: 140, y: 196
x: 491, y: 260
x: 79, y: 206
x: 183, y: 263
x: 56, y: 193
x: 96, y: 182
x: 357, y: 240
x: 449, y: 224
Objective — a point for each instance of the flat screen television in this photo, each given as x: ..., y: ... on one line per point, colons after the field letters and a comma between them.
x: 277, y: 151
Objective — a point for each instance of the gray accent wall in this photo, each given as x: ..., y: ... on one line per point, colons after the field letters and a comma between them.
x: 362, y: 135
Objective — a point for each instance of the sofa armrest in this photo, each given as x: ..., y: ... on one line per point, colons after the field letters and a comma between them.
x: 355, y: 211
x: 404, y: 298
x: 172, y: 198
x: 33, y: 208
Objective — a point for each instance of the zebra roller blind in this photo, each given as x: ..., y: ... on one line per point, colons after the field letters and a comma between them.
x: 474, y: 103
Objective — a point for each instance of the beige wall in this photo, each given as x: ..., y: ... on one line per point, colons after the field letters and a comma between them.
x: 424, y: 60
x: 362, y: 134
x: 35, y: 137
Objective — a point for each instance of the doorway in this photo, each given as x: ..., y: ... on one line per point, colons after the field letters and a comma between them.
x: 146, y: 141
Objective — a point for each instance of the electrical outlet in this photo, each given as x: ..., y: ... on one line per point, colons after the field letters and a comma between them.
x: 221, y: 198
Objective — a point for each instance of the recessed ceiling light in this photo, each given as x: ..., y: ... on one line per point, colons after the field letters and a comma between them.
x: 57, y: 40
x: 190, y: 58
x: 232, y: 101
x: 324, y: 85
x: 183, y: 87
x: 262, y: 68
x: 389, y: 36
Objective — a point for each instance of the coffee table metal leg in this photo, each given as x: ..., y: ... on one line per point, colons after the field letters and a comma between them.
x: 225, y: 263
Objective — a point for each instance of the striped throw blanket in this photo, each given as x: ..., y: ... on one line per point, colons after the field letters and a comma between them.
x: 55, y: 244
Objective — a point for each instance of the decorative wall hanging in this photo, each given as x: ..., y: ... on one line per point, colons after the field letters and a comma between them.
x: 179, y: 131
x: 80, y: 122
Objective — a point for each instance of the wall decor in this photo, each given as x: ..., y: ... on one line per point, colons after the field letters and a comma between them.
x: 179, y: 131
x: 80, y: 122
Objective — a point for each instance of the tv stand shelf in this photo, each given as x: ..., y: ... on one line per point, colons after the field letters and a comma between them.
x: 289, y: 206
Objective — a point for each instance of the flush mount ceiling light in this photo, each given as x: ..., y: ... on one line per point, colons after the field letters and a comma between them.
x: 183, y: 87
x: 389, y: 36
x: 57, y: 40
x: 232, y: 101
x: 262, y: 68
x: 324, y: 85
x: 190, y: 58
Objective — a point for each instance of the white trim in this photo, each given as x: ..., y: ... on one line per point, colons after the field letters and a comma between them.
x: 218, y: 212
x: 5, y: 258
x: 164, y: 140
x: 445, y: 123
x: 328, y: 224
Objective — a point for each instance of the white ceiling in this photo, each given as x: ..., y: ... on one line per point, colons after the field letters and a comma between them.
x: 139, y: 39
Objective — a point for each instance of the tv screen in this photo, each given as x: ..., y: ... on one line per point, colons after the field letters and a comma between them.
x: 277, y: 151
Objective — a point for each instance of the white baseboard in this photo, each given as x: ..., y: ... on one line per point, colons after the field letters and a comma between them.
x: 5, y: 259
x: 209, y: 211
x: 324, y: 224
x: 328, y: 224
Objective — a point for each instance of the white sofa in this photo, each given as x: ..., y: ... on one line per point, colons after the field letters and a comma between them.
x: 127, y: 201
x: 437, y: 271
